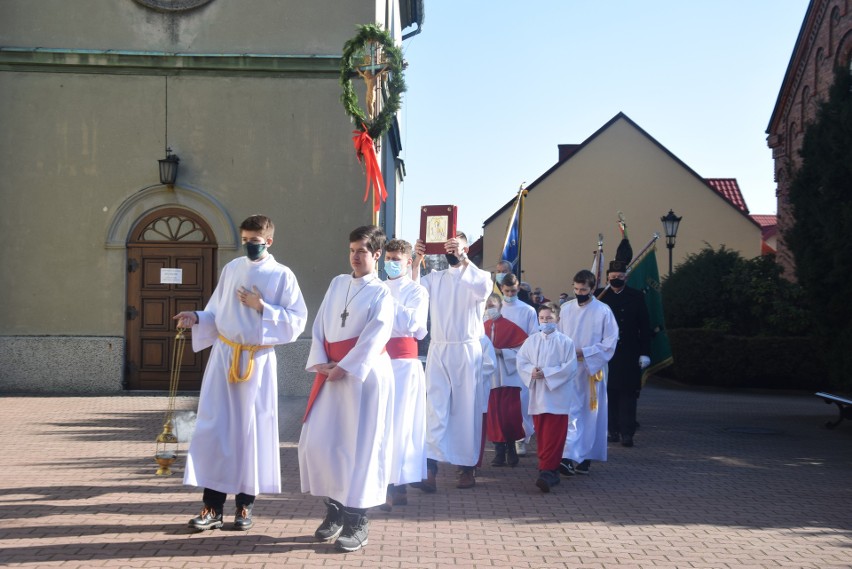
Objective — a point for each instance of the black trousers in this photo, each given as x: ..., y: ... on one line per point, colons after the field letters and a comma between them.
x: 216, y: 500
x: 621, y: 411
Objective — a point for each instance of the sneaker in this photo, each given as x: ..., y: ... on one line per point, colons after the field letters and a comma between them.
x: 467, y: 478
x: 521, y: 447
x: 242, y: 519
x: 499, y: 455
x: 583, y: 467
x: 512, y: 454
x: 430, y: 483
x: 627, y: 441
x: 207, y: 519
x: 332, y: 525
x: 566, y: 467
x: 355, y: 531
x: 613, y: 437
x: 543, y: 482
x: 552, y: 476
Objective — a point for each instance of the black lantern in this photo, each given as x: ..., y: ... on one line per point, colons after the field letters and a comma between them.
x: 670, y: 225
x: 169, y: 168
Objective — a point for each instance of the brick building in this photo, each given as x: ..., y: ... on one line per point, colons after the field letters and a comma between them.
x: 824, y: 42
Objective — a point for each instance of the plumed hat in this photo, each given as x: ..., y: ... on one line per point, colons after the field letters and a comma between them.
x: 623, y: 256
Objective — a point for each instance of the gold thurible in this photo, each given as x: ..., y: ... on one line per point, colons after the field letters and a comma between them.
x: 167, y: 442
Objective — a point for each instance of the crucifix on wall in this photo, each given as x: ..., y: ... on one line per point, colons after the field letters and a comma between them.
x: 374, y: 71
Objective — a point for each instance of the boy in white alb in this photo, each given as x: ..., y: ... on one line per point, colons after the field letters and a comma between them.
x: 234, y: 450
x: 411, y: 310
x: 547, y: 363
x: 594, y: 330
x: 344, y: 449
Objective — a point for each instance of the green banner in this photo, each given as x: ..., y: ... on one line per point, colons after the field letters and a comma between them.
x: 645, y: 276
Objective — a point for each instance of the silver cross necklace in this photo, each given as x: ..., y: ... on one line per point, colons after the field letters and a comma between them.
x: 345, y: 314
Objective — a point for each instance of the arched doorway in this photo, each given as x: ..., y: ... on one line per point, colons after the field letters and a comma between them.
x: 169, y: 238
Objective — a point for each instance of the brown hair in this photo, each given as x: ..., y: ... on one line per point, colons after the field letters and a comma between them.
x: 551, y: 306
x: 374, y: 235
x: 585, y: 277
x: 398, y: 245
x: 509, y: 280
x: 259, y: 223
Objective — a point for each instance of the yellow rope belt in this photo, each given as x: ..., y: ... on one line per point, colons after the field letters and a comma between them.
x: 234, y: 373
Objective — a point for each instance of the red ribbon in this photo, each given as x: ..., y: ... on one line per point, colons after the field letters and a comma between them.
x: 367, y: 154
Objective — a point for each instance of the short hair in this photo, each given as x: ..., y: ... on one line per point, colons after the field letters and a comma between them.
x: 551, y: 306
x: 585, y: 277
x: 398, y: 245
x: 505, y: 263
x: 496, y: 297
x: 509, y: 280
x: 259, y: 223
x: 374, y: 235
x: 526, y: 286
x: 462, y: 237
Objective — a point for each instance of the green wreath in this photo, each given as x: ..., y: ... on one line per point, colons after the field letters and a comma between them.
x: 353, y: 50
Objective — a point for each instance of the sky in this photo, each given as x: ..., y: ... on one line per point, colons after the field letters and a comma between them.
x: 495, y: 85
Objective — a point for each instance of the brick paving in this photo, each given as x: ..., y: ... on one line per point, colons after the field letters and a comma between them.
x: 716, y: 480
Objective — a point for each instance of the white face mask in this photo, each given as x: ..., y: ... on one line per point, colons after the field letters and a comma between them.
x: 492, y: 313
x: 510, y: 299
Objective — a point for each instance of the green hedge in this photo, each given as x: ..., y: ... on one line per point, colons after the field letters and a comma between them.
x: 708, y: 357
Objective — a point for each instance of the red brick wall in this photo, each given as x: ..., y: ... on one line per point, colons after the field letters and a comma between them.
x: 824, y: 42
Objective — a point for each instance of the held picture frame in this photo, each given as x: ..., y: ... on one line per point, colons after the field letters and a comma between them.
x: 437, y: 226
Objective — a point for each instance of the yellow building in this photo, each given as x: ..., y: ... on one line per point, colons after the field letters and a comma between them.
x: 619, y: 168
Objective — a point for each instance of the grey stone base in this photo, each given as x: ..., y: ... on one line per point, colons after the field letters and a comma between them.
x: 88, y: 365
x: 94, y: 365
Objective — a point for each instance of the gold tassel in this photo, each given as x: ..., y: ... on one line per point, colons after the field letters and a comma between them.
x: 593, y: 390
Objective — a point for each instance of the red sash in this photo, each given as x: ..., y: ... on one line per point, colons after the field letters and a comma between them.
x: 402, y: 348
x: 335, y: 351
x: 504, y: 333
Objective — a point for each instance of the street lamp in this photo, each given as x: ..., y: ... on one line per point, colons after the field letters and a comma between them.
x: 670, y: 225
x: 169, y: 168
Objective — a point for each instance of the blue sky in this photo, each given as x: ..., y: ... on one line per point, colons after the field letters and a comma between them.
x: 494, y: 86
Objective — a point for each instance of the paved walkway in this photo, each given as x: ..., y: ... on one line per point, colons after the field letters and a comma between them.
x: 716, y: 480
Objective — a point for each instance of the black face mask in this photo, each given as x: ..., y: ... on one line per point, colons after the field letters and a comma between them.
x: 617, y: 283
x: 452, y: 260
x: 581, y: 298
x: 254, y: 251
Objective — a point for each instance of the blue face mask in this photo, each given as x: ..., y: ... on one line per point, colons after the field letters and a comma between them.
x: 499, y: 278
x: 547, y: 327
x: 510, y: 299
x: 393, y: 268
x: 254, y: 251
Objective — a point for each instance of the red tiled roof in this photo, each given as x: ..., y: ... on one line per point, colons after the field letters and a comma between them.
x: 768, y: 224
x: 729, y: 189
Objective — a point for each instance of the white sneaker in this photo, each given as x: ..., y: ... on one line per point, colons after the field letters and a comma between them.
x: 521, y: 448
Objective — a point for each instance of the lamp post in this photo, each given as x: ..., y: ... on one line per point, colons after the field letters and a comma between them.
x: 169, y: 168
x: 670, y: 225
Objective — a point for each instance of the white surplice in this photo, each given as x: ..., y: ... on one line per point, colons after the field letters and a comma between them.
x: 522, y: 315
x: 594, y: 330
x: 344, y: 448
x: 411, y: 306
x: 554, y: 354
x: 454, y: 363
x: 489, y: 371
x: 235, y: 445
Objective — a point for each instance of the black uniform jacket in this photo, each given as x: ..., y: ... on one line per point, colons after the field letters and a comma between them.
x: 634, y: 337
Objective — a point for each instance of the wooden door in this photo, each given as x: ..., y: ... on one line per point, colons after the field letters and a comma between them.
x: 166, y: 239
